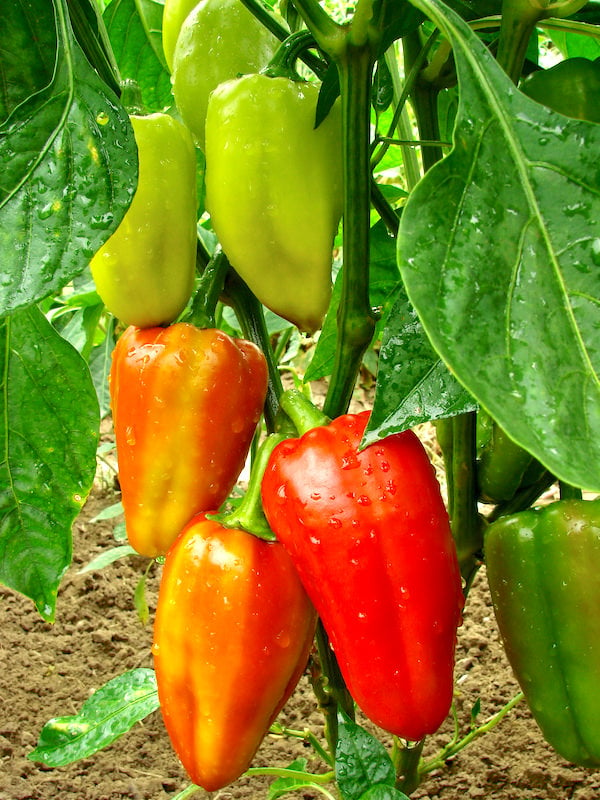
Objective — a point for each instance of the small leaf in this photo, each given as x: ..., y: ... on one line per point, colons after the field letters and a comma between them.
x: 108, y: 557
x: 360, y: 761
x: 380, y: 792
x: 413, y: 384
x: 48, y: 443
x: 281, y: 786
x: 100, y: 363
x: 475, y: 711
x: 110, y: 512
x: 140, y: 600
x: 109, y: 713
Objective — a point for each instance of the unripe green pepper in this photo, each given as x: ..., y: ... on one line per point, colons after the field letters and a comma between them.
x: 503, y: 467
x: 218, y: 40
x: 174, y: 14
x: 274, y: 191
x: 571, y: 87
x: 543, y: 569
x: 145, y: 272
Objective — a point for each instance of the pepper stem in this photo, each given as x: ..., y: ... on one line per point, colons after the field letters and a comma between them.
x: 202, y: 311
x: 283, y: 63
x: 250, y: 314
x: 249, y: 515
x: 304, y: 414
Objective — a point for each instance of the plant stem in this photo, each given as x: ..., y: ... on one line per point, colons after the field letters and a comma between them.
x: 356, y: 319
x: 456, y: 746
x: 328, y: 34
x: 304, y: 414
x: 516, y: 26
x: 568, y: 492
x: 202, y: 311
x: 251, y: 317
x: 407, y: 767
x: 296, y: 774
x: 424, y: 99
x: 249, y: 515
x: 467, y: 526
x: 306, y: 736
x: 400, y: 121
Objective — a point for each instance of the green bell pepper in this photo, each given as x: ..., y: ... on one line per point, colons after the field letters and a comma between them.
x: 174, y: 14
x: 543, y: 568
x: 217, y: 41
x: 503, y: 467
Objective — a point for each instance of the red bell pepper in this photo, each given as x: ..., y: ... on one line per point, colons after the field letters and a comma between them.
x: 370, y: 537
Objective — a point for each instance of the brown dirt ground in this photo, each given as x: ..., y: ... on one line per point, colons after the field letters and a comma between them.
x: 49, y: 670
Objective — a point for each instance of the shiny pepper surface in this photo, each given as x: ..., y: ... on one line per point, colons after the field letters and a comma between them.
x: 274, y: 191
x: 543, y: 569
x: 370, y: 537
x: 185, y: 405
x: 145, y: 272
x: 232, y: 634
x: 174, y: 15
x: 218, y: 41
x: 503, y: 467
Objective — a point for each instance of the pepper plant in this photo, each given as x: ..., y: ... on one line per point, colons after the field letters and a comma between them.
x: 458, y: 144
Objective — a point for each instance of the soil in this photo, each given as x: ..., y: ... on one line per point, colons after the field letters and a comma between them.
x: 49, y: 670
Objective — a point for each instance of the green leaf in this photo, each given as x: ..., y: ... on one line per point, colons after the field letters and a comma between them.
x: 109, y: 713
x: 67, y: 155
x: 135, y: 33
x: 572, y: 45
x: 48, y: 444
x: 500, y: 253
x: 360, y: 761
x: 24, y: 70
x: 112, y: 511
x: 413, y: 384
x: 383, y: 793
x: 108, y: 557
x: 281, y: 786
x: 80, y: 327
x: 140, y: 599
x: 100, y: 362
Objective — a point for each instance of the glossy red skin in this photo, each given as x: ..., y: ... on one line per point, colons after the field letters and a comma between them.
x: 370, y: 537
x: 232, y: 634
x: 185, y: 404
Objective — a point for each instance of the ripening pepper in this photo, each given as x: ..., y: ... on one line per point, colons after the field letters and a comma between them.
x: 370, y: 537
x: 232, y: 634
x: 218, y: 41
x: 503, y: 467
x: 543, y: 568
x: 144, y: 273
x: 174, y: 15
x: 571, y: 87
x: 185, y: 404
x: 274, y: 191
